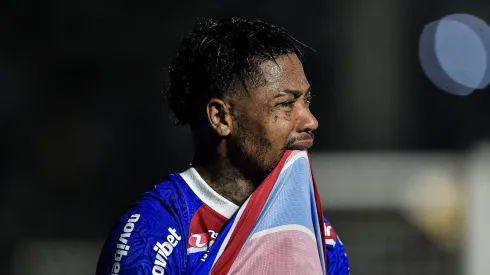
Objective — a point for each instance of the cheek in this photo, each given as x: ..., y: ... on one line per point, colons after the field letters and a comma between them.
x: 279, y: 131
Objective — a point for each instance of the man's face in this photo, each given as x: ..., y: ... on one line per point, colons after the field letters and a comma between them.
x: 272, y: 118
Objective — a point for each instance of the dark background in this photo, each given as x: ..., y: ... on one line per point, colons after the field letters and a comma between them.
x: 86, y: 130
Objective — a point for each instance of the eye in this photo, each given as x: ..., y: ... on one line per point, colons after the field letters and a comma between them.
x: 308, y: 100
x: 287, y: 104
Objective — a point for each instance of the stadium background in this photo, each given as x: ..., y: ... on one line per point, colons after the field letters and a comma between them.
x: 401, y: 164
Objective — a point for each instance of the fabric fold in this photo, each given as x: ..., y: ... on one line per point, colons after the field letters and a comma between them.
x: 278, y: 230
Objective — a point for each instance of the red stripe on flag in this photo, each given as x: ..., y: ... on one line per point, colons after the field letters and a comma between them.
x: 320, y: 216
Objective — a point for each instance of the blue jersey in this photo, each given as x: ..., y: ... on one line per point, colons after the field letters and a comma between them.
x: 181, y: 217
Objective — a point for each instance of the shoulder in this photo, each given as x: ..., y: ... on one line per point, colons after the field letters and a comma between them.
x: 338, y: 262
x: 149, y: 237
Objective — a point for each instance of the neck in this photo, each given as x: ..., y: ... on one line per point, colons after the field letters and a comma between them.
x: 222, y: 175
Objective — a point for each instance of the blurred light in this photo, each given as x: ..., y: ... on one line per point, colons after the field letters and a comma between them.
x: 454, y: 53
x: 435, y: 203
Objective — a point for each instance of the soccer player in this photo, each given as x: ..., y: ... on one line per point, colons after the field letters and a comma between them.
x: 240, y: 86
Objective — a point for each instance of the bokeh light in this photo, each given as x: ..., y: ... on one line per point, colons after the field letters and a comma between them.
x: 454, y: 55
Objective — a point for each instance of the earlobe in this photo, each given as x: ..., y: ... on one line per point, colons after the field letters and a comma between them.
x: 219, y: 117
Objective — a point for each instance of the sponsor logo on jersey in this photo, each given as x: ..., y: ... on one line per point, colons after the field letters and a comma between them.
x: 330, y: 235
x: 122, y: 245
x: 204, y: 229
x: 201, y: 241
x: 164, y: 250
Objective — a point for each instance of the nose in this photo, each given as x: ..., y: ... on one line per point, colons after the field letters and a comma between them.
x: 307, y: 121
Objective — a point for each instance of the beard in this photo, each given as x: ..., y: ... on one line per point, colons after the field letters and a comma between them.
x: 253, y: 153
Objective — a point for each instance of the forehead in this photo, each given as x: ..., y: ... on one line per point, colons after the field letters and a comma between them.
x: 286, y: 73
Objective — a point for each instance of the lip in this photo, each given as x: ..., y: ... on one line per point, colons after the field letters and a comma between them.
x: 303, y: 144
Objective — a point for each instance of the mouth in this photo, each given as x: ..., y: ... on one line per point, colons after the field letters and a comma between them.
x: 302, y: 143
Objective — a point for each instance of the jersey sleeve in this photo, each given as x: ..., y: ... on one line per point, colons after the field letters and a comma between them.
x: 337, y: 260
x: 146, y: 240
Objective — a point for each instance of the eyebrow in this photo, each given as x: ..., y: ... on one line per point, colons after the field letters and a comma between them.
x: 295, y: 93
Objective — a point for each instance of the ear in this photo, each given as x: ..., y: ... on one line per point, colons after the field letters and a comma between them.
x: 219, y: 116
